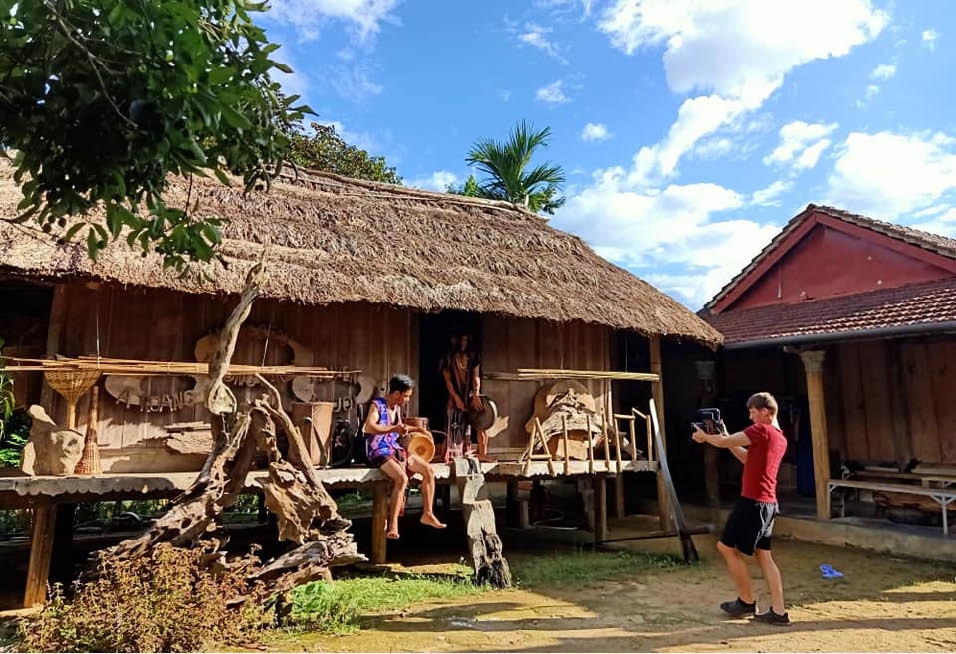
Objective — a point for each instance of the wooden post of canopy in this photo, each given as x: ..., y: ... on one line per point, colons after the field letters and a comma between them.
x: 813, y: 367
x: 706, y: 396
x: 657, y: 392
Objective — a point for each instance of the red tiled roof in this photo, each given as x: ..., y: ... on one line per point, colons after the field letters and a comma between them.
x: 915, y: 304
x: 932, y: 242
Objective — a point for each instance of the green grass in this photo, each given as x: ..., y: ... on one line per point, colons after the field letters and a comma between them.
x: 562, y: 568
x: 337, y: 607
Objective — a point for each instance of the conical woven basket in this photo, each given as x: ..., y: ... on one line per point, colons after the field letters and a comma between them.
x: 72, y: 385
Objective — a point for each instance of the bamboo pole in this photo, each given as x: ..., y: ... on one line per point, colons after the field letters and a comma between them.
x: 634, y: 439
x: 590, y: 445
x: 560, y: 373
x: 607, y: 442
x: 567, y: 450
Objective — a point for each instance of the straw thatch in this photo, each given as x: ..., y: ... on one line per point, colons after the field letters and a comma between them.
x: 334, y: 239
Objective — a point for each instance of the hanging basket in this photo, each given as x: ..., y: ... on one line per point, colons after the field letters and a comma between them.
x: 72, y: 385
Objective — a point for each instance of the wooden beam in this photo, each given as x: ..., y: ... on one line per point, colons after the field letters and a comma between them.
x: 657, y: 392
x: 379, y: 520
x: 41, y: 551
x: 813, y: 367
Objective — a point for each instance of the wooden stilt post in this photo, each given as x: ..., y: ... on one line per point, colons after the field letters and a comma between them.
x: 657, y: 392
x: 813, y: 367
x: 44, y: 514
x: 620, y: 510
x: 41, y: 551
x: 600, y: 509
x: 706, y: 395
x: 379, y: 520
x: 590, y: 443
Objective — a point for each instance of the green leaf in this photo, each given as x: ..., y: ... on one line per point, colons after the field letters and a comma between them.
x: 220, y: 75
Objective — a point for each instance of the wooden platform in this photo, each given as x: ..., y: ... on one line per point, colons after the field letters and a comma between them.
x: 23, y: 492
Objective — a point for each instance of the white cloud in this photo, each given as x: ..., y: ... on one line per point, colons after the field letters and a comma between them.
x: 353, y: 82
x: 738, y: 51
x: 944, y: 224
x: 362, y: 17
x: 553, y: 93
x: 437, y: 181
x: 929, y: 38
x: 801, y: 144
x: 537, y: 37
x: 361, y: 140
x: 768, y: 196
x: 668, y: 231
x: 696, y: 118
x: 595, y: 132
x: 883, y: 71
x: 504, y: 95
x: 739, y: 48
x: 892, y: 175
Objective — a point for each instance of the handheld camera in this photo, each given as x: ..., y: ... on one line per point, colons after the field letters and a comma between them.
x: 709, y: 421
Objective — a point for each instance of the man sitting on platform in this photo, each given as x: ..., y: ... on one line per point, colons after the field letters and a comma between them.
x: 383, y: 427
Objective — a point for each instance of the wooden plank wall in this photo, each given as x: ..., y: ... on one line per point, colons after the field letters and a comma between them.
x: 512, y: 343
x: 892, y: 400
x: 162, y: 325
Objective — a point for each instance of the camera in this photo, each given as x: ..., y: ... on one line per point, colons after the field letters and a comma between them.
x: 709, y: 421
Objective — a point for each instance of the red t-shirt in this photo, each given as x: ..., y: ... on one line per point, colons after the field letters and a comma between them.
x: 767, y: 447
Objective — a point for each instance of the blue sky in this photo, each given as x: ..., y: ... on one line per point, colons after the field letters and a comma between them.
x: 690, y: 131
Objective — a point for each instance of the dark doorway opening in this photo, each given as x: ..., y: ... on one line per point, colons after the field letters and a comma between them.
x: 436, y: 332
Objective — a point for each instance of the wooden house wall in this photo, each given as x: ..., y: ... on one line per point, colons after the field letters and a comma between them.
x: 893, y: 400
x: 161, y: 325
x: 512, y: 343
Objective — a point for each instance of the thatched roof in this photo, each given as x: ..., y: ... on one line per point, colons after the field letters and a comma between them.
x: 334, y: 239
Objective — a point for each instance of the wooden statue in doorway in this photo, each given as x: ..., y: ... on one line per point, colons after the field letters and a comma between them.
x: 461, y: 369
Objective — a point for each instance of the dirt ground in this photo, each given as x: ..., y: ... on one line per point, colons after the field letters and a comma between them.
x: 881, y: 604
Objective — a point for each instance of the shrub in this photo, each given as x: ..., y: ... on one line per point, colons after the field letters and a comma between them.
x: 164, y: 601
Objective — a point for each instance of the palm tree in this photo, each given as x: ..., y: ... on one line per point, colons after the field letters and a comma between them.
x: 505, y: 166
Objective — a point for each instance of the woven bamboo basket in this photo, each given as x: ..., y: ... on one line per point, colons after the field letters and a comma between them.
x: 72, y: 385
x: 89, y: 463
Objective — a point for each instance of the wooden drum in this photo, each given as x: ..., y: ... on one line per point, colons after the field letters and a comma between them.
x: 419, y: 443
x: 422, y: 445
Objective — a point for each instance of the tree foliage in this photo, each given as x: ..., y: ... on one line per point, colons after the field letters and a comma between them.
x: 100, y: 100
x: 325, y: 150
x: 469, y: 189
x: 505, y: 165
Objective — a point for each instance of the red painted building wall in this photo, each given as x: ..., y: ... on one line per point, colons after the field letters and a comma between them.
x: 829, y: 263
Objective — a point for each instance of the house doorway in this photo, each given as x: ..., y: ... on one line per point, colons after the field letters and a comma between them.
x: 435, y: 336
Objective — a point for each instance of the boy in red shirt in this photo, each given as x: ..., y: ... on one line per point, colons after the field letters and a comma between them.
x: 760, y: 447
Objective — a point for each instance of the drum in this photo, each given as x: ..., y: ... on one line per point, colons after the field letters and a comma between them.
x: 422, y: 445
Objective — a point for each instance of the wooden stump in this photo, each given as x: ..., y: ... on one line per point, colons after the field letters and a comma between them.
x: 484, y: 544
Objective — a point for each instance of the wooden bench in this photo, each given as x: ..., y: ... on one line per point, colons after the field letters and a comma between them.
x: 943, y: 496
x: 927, y: 480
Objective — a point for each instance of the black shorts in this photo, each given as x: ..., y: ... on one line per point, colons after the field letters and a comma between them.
x: 750, y: 525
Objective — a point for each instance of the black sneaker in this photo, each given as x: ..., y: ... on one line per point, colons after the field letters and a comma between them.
x: 738, y: 607
x: 772, y: 618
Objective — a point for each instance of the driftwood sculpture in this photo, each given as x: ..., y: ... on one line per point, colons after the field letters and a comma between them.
x: 484, y: 544
x: 307, y: 514
x: 51, y: 449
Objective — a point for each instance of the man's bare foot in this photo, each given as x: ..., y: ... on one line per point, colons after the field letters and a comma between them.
x: 430, y: 520
x: 392, y: 535
x: 487, y: 458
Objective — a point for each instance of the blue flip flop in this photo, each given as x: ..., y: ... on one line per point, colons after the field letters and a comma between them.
x: 829, y: 573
